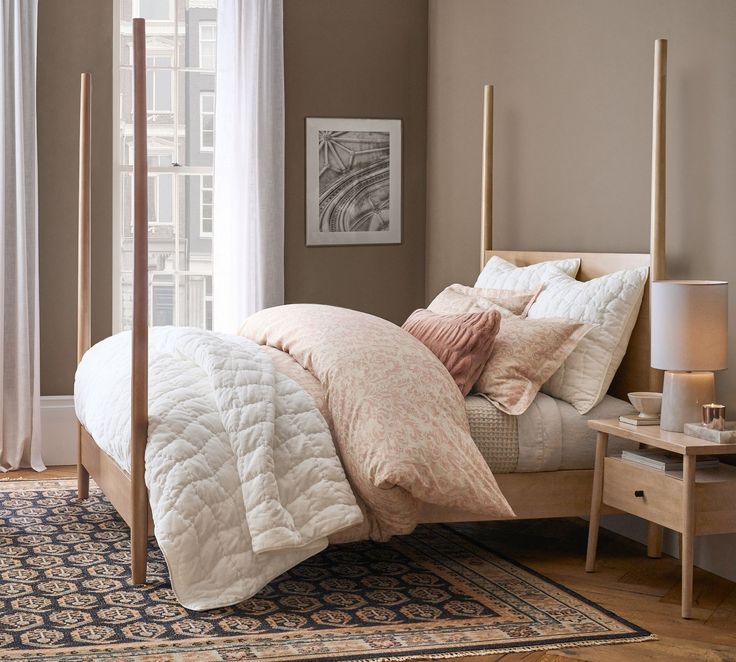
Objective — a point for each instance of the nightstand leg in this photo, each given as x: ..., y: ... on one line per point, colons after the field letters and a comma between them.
x: 688, y: 533
x: 655, y: 534
x: 596, y: 501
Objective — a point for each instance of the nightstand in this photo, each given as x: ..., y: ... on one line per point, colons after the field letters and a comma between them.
x: 691, y: 502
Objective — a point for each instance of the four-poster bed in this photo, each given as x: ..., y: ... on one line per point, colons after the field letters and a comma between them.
x: 531, y: 495
x: 567, y: 493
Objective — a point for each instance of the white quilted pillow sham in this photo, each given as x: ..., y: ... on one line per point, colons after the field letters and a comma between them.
x: 612, y: 303
x: 500, y: 274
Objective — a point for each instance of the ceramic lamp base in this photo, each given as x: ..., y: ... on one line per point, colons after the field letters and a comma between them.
x: 682, y: 397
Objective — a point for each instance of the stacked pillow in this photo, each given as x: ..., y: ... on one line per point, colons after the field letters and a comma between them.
x: 564, y: 336
x: 611, y: 303
x: 504, y: 275
x: 463, y: 299
x: 524, y: 353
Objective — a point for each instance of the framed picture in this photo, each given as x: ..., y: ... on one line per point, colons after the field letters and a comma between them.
x: 353, y: 181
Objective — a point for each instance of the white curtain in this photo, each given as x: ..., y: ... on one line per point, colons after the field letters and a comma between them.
x: 248, y: 245
x: 20, y: 445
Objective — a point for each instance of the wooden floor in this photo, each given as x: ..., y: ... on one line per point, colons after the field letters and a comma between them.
x: 644, y: 591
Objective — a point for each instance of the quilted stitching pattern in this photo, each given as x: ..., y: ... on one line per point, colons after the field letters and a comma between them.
x: 612, y: 303
x: 243, y: 477
x: 500, y: 274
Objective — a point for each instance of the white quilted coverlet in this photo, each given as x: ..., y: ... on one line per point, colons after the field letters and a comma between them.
x: 242, y: 473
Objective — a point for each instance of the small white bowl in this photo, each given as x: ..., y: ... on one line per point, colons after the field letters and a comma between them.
x: 648, y: 404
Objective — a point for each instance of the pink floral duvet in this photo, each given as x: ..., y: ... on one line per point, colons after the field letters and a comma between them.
x: 397, y: 417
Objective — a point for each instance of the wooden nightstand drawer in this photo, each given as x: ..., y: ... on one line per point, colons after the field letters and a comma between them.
x: 662, y: 494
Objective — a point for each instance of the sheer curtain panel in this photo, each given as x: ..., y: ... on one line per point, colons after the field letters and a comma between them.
x: 248, y: 250
x: 20, y: 445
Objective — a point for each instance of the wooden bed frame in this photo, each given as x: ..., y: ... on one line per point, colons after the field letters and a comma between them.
x: 532, y: 495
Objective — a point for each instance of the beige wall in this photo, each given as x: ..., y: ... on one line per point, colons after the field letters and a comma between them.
x: 573, y: 132
x: 357, y: 58
x: 349, y: 58
x: 73, y: 36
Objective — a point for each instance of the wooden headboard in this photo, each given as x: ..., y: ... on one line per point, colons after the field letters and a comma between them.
x: 635, y: 373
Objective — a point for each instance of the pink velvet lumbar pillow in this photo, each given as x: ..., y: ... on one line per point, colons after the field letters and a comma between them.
x: 525, y: 355
x: 462, y: 342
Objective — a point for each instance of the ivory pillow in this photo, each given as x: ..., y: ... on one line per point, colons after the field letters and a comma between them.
x: 499, y: 273
x: 525, y: 354
x: 462, y: 342
x: 611, y: 303
x: 457, y: 298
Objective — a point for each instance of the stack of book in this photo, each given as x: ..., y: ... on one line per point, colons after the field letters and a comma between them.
x: 665, y: 461
x: 638, y: 419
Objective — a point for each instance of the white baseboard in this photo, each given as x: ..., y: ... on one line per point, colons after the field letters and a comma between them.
x: 58, y: 430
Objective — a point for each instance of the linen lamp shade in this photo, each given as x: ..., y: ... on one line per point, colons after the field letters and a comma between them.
x: 689, y: 322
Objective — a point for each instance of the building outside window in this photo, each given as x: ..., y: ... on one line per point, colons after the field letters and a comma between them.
x: 206, y: 200
x: 180, y: 82
x: 206, y: 121
x: 159, y: 83
x: 207, y: 45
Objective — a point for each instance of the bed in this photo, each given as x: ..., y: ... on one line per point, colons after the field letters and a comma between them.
x: 556, y: 485
x: 550, y: 436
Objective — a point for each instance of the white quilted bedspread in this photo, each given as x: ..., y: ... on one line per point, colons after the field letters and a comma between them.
x: 242, y: 473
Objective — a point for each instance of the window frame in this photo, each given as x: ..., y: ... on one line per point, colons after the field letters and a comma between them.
x: 179, y: 71
x: 207, y: 299
x: 159, y: 285
x: 154, y: 71
x: 136, y: 7
x: 206, y: 24
x: 202, y: 189
x: 155, y: 192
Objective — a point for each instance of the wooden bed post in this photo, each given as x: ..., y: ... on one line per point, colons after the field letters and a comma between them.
x: 84, y: 253
x: 657, y: 247
x: 657, y: 242
x: 139, y: 381
x: 659, y: 161
x: 486, y: 237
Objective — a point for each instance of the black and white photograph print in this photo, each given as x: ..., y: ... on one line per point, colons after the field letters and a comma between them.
x: 353, y: 181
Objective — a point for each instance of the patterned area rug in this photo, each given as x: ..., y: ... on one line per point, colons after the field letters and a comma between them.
x: 65, y: 594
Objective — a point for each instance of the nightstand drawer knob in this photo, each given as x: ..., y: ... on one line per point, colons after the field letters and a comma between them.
x: 639, y: 493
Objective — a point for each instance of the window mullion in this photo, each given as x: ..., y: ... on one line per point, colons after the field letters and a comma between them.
x: 179, y: 159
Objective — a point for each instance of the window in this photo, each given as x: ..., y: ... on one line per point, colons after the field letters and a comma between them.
x: 207, y: 121
x: 160, y: 199
x: 205, y: 206
x: 181, y: 49
x: 161, y: 298
x: 153, y: 10
x: 207, y: 45
x: 159, y: 84
x: 208, y: 301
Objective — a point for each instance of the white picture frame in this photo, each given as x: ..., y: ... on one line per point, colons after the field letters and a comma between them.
x: 353, y: 181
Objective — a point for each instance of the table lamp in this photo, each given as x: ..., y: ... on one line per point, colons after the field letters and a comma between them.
x: 689, y: 322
